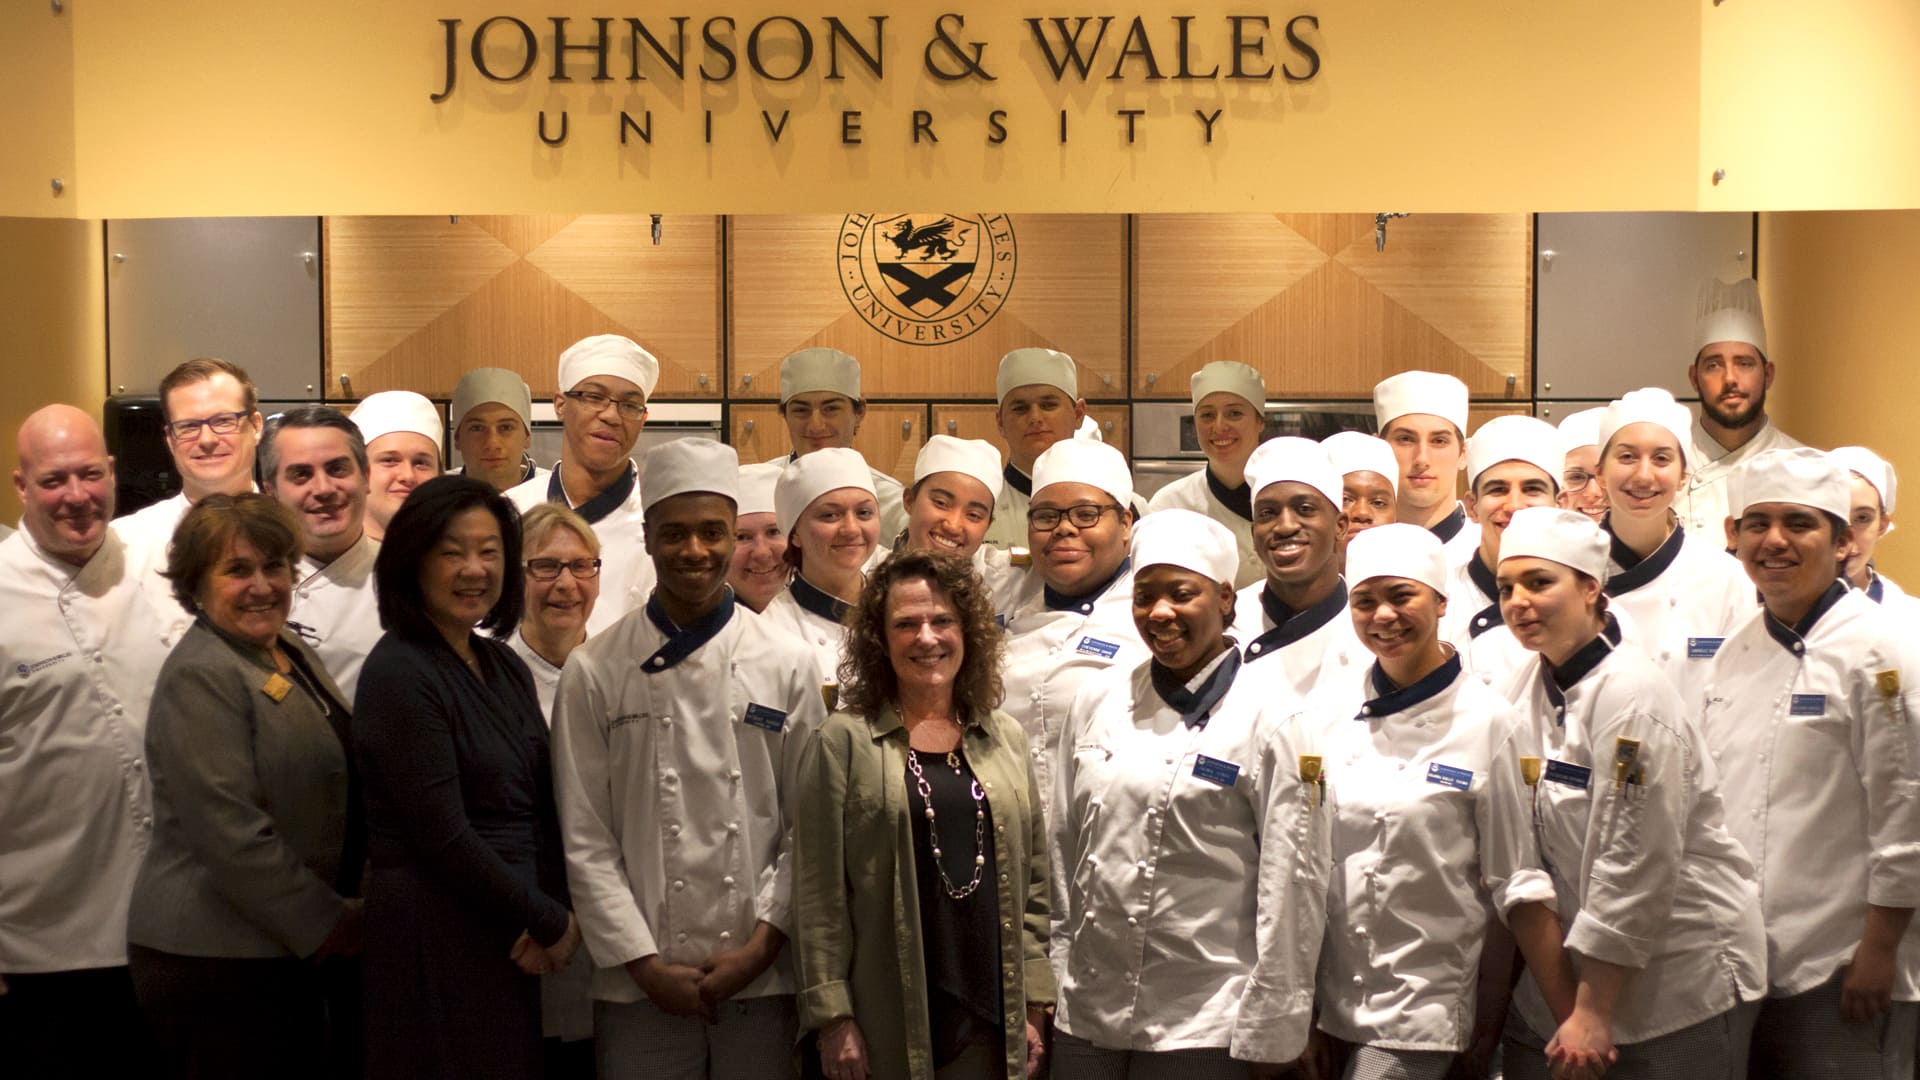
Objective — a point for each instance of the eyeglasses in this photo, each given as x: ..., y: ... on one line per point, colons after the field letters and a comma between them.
x: 549, y: 569
x: 1082, y: 515
x: 595, y: 400
x: 225, y: 423
x: 1575, y: 481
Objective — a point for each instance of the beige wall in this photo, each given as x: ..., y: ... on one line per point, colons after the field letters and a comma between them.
x: 53, y: 334
x: 1842, y: 324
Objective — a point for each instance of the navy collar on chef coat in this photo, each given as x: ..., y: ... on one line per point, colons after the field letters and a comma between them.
x: 1018, y: 480
x: 1558, y: 680
x: 1392, y: 699
x: 1793, y: 638
x: 1875, y: 591
x: 1488, y: 617
x: 815, y: 600
x: 1237, y: 499
x: 1196, y: 705
x: 1289, y: 625
x: 613, y: 498
x: 684, y: 641
x: 1634, y: 570
x: 1058, y: 601
x: 1449, y: 526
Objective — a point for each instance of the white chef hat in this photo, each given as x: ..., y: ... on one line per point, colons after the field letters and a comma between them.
x: 1581, y: 429
x: 1567, y: 537
x: 399, y: 410
x: 1357, y: 451
x: 1729, y: 311
x: 812, y: 370
x: 1035, y: 366
x: 1800, y: 475
x: 756, y: 485
x: 1229, y: 377
x: 486, y: 385
x: 1089, y: 429
x: 1186, y: 539
x: 1649, y: 406
x: 1516, y: 438
x: 1399, y: 550
x: 1083, y: 461
x: 689, y: 465
x: 810, y: 476
x: 970, y: 457
x: 609, y: 354
x: 1421, y: 392
x: 1873, y: 468
x: 1290, y: 457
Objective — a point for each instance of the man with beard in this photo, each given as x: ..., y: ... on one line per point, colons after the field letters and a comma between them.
x: 1732, y: 374
x: 83, y: 649
x: 314, y: 462
x: 675, y: 732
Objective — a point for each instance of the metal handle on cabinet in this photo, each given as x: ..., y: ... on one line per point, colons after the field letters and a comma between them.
x: 749, y: 428
x: 1107, y: 427
x: 906, y: 429
x: 746, y: 380
x: 953, y: 427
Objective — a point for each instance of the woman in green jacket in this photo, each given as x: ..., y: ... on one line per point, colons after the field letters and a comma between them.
x: 921, y: 876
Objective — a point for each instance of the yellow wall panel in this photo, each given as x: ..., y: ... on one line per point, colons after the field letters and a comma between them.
x: 53, y: 306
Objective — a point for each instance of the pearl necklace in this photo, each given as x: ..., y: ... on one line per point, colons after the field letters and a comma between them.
x: 933, y: 830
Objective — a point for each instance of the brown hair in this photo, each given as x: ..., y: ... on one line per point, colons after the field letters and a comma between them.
x: 201, y: 370
x: 868, y: 682
x: 200, y: 541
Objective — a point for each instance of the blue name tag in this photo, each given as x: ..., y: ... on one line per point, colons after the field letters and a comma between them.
x: 1215, y: 771
x: 1807, y: 705
x: 765, y: 719
x: 1093, y: 646
x: 1561, y: 772
x: 1448, y: 776
x: 1704, y: 648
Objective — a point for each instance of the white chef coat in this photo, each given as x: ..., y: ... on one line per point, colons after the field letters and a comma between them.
x: 814, y: 618
x: 1008, y: 529
x: 626, y: 571
x: 1474, y: 626
x: 1054, y: 644
x: 5, y: 531
x: 1702, y: 507
x: 546, y: 677
x: 1301, y: 650
x: 673, y: 785
x: 1200, y: 492
x: 1646, y: 874
x: 1189, y: 894
x: 1882, y: 590
x: 148, y: 530
x: 1009, y: 586
x: 338, y: 611
x: 82, y: 650
x: 1459, y: 535
x: 1432, y: 826
x: 1678, y: 605
x: 1823, y: 780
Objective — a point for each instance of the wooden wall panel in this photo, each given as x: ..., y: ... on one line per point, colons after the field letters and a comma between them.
x: 890, y: 437
x: 1067, y: 292
x: 976, y: 422
x: 413, y: 302
x: 1307, y: 300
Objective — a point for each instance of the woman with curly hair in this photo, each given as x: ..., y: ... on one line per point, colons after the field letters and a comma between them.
x: 921, y: 897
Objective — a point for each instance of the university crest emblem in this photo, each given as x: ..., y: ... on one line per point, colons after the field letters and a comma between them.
x: 926, y: 278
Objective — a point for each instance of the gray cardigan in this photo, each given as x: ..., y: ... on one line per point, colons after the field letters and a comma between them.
x: 252, y: 815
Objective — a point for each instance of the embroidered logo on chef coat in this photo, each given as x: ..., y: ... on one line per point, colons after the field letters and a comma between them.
x: 764, y: 718
x: 926, y: 278
x: 1449, y: 776
x: 1215, y: 771
x: 1807, y: 705
x: 1562, y: 772
x: 1704, y: 648
x: 1093, y: 646
x: 24, y: 670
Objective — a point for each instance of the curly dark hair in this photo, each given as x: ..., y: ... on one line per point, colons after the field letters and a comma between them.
x: 868, y: 682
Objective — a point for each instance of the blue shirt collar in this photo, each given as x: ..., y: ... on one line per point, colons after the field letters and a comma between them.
x: 1389, y: 699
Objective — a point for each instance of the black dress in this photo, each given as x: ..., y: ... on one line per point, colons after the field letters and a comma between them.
x: 466, y: 855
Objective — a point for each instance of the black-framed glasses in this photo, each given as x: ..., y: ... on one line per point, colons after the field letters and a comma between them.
x: 549, y: 569
x: 595, y: 400
x: 225, y: 423
x: 1082, y: 515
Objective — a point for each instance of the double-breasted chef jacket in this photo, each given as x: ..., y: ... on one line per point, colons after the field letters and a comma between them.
x: 619, y: 523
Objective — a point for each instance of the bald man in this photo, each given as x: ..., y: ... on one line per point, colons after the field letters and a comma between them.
x: 83, y: 646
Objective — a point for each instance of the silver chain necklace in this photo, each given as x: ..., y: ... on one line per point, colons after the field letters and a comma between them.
x: 933, y: 830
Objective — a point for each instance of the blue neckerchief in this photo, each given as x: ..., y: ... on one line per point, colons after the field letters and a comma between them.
x: 1289, y: 625
x: 683, y: 642
x: 813, y: 599
x: 614, y: 497
x: 1585, y: 659
x: 1450, y: 525
x: 1636, y: 571
x: 1237, y: 499
x: 1488, y: 617
x: 1058, y: 601
x: 1793, y: 638
x: 1018, y: 480
x: 1391, y: 699
x: 1195, y: 705
x: 1875, y: 591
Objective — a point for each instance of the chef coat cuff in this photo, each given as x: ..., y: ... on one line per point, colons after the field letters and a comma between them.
x: 776, y: 914
x: 1040, y: 985
x: 1272, y: 1025
x: 1590, y: 937
x: 1531, y: 886
x: 823, y: 1003
x: 1893, y: 876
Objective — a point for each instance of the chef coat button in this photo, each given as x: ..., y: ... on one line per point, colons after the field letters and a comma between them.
x: 726, y: 935
x: 733, y: 826
x: 1142, y: 864
x: 1763, y: 759
x: 1008, y: 925
x: 1003, y: 879
x: 1254, y: 649
x: 1402, y: 765
x: 1131, y: 977
x: 1666, y: 654
x: 666, y: 720
x: 734, y: 775
x: 1131, y: 921
x: 673, y: 830
x: 727, y: 881
x: 1360, y: 931
x: 1152, y: 811
x: 96, y: 658
x: 1169, y: 761
x: 678, y: 884
x: 1358, y: 981
x: 683, y: 935
x: 1091, y: 861
x: 1380, y: 815
x: 1090, y: 918
x: 1366, y: 710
